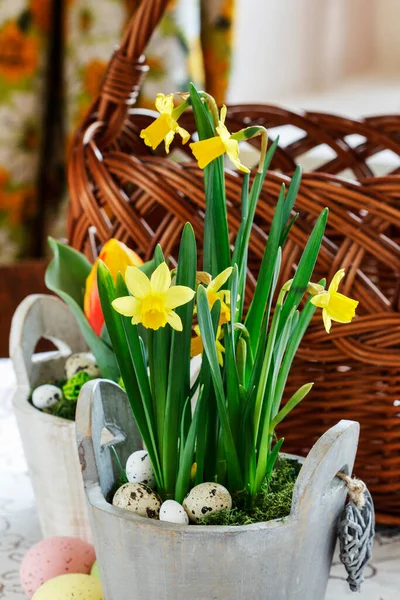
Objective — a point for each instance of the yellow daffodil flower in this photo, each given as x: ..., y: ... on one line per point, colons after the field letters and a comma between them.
x: 166, y: 126
x: 206, y: 151
x: 196, y: 346
x: 214, y: 293
x: 335, y: 306
x: 153, y: 300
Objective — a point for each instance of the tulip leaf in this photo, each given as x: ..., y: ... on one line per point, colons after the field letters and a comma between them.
x: 66, y: 276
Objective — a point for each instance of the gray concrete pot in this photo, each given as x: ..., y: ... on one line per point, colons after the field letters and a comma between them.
x: 49, y: 442
x: 140, y: 558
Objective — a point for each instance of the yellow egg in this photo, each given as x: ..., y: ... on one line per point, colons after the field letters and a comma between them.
x: 70, y: 587
x: 95, y: 570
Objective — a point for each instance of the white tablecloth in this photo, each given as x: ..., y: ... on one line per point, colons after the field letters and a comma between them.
x: 19, y: 527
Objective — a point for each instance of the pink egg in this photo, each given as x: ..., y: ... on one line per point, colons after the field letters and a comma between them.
x: 52, y: 557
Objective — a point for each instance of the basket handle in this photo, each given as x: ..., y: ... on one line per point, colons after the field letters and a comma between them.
x: 124, y: 75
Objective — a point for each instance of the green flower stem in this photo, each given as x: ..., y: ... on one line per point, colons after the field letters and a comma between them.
x: 249, y: 133
x: 180, y: 109
x: 212, y: 105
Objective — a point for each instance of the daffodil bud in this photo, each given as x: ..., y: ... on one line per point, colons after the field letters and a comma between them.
x: 315, y: 288
x: 286, y: 286
x: 312, y: 288
x: 203, y: 277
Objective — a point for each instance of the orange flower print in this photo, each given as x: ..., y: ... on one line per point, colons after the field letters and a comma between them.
x: 18, y: 53
x: 93, y: 76
x: 42, y: 12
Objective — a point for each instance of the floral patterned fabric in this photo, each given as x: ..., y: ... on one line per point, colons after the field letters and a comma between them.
x: 23, y: 48
x: 192, y: 42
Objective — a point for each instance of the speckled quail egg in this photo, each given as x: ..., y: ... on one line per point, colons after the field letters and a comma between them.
x: 173, y: 512
x: 138, y: 498
x: 206, y: 498
x: 46, y: 395
x: 81, y: 361
x: 139, y: 468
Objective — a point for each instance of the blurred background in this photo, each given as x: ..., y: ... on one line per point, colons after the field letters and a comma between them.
x: 339, y: 56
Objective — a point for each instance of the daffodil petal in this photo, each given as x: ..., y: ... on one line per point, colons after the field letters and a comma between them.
x: 341, y: 308
x: 223, y: 132
x: 220, y: 349
x: 127, y: 306
x: 196, y: 346
x: 321, y: 300
x: 161, y: 279
x: 337, y: 278
x: 169, y: 138
x: 155, y: 133
x: 137, y: 282
x: 219, y: 281
x: 223, y: 114
x: 165, y: 103
x: 327, y: 320
x: 136, y: 319
x: 232, y: 150
x: 174, y: 320
x: 178, y: 295
x: 206, y: 151
x: 185, y: 135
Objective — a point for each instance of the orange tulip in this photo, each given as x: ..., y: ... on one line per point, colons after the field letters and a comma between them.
x: 117, y: 256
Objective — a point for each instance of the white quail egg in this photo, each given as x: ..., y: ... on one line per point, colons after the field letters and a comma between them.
x: 46, y: 395
x: 173, y: 512
x: 206, y: 498
x: 139, y: 468
x: 81, y: 361
x: 139, y: 499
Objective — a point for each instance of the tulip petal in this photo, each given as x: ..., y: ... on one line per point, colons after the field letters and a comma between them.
x: 178, y: 295
x: 127, y: 306
x: 160, y: 279
x: 336, y: 279
x: 137, y: 282
x: 117, y: 256
x: 174, y: 320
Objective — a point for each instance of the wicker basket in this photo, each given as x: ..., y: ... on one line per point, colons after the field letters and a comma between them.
x: 118, y: 188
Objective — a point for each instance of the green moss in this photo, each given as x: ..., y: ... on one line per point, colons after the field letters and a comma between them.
x: 66, y: 407
x: 274, y: 502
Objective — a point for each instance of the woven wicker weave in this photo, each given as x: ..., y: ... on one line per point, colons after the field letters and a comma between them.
x: 118, y: 188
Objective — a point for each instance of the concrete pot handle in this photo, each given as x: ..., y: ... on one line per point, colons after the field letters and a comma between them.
x: 41, y: 316
x: 103, y: 409
x: 104, y: 418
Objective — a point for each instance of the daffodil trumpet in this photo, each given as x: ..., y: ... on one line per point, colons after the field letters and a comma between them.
x: 166, y: 126
x: 335, y: 306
